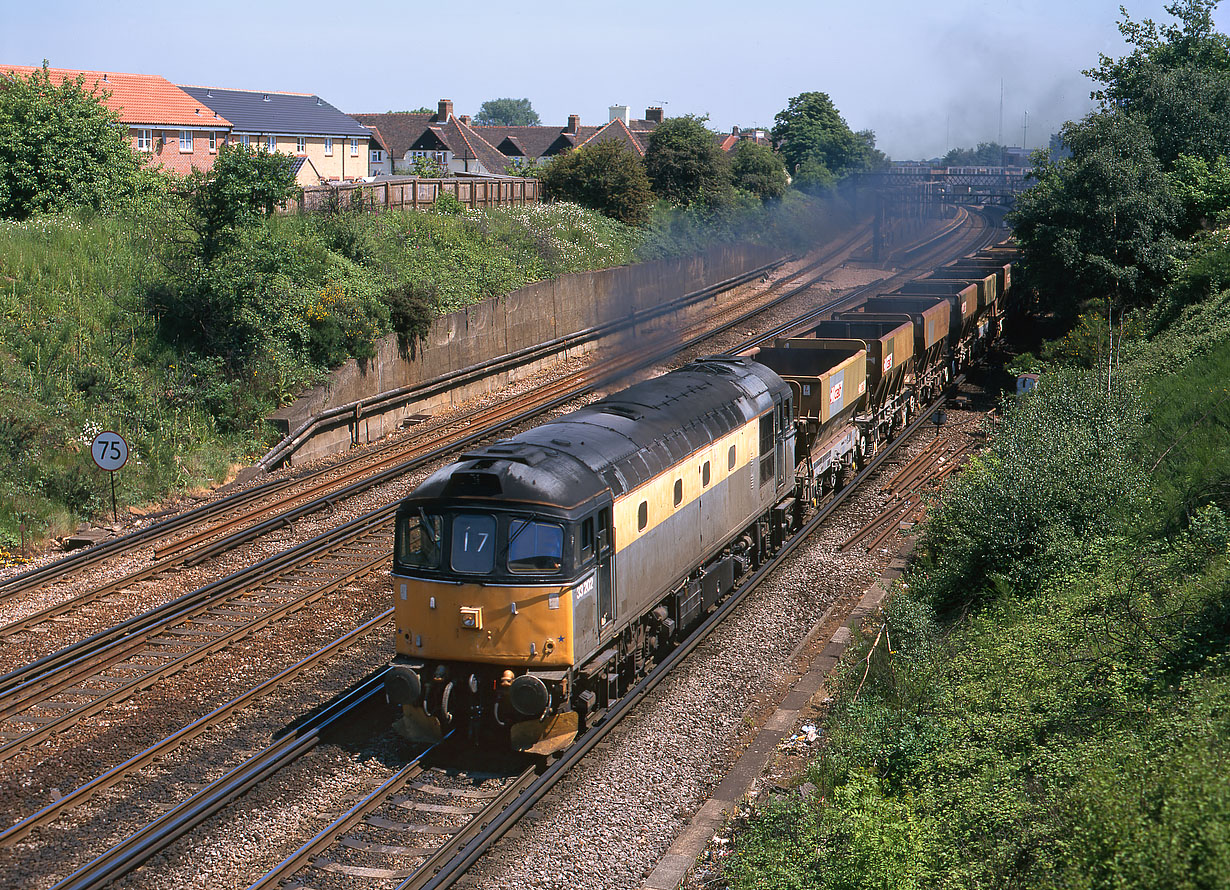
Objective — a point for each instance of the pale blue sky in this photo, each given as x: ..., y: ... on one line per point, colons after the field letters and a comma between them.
x: 925, y: 76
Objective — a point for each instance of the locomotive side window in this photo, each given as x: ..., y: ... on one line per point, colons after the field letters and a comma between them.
x: 535, y: 546
x: 587, y: 539
x: 473, y: 549
x: 678, y: 492
x: 418, y: 540
x: 730, y: 458
x: 642, y: 516
x: 766, y: 448
x: 705, y: 474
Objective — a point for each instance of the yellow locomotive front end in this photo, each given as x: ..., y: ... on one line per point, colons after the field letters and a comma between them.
x: 485, y: 583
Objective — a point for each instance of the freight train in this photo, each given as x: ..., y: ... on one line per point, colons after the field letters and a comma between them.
x: 535, y: 580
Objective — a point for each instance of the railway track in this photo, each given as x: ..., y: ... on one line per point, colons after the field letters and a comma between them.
x: 56, y: 674
x: 367, y: 471
x: 451, y: 816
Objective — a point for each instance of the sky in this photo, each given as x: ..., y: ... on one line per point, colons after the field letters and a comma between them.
x: 925, y: 76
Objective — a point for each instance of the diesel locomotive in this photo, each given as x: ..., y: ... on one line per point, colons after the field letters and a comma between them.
x: 535, y: 580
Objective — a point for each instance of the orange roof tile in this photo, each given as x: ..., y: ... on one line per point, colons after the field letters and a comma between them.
x: 137, y: 98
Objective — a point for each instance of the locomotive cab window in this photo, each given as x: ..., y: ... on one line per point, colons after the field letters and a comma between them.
x: 473, y: 544
x: 766, y: 433
x: 535, y: 546
x: 418, y: 539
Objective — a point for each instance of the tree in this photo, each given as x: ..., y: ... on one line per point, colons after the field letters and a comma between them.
x: 60, y: 147
x: 1176, y: 81
x: 243, y: 187
x: 1099, y: 225
x: 758, y: 169
x: 685, y: 164
x: 507, y: 113
x: 605, y: 176
x: 987, y: 154
x: 818, y: 144
x: 422, y: 109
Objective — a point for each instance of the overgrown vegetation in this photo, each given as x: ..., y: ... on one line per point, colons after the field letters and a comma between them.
x: 1045, y: 701
x: 115, y: 322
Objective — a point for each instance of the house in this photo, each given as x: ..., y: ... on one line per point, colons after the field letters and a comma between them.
x: 757, y: 135
x: 164, y: 122
x: 538, y: 144
x: 305, y: 171
x: 302, y: 125
x: 443, y: 137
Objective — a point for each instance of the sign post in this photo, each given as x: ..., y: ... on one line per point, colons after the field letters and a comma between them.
x: 110, y: 452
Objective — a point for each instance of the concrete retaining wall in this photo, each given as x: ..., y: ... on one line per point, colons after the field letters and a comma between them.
x: 503, y: 326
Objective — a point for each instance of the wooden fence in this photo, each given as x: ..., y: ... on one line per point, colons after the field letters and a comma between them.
x: 415, y: 193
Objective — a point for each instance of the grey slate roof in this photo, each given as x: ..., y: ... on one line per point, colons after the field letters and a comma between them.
x: 251, y: 111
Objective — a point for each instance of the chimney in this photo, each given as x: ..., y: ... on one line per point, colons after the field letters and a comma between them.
x: 653, y: 115
x: 619, y: 112
x: 574, y: 123
x: 445, y: 110
x: 734, y: 131
x: 465, y: 119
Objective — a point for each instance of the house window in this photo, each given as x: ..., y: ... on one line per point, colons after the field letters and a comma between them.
x: 301, y: 145
x: 271, y: 143
x: 145, y: 140
x: 354, y: 148
x: 185, y: 141
x: 329, y: 146
x: 213, y: 141
x: 245, y: 141
x: 377, y: 156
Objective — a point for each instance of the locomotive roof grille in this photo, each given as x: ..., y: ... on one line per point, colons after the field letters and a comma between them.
x: 467, y: 482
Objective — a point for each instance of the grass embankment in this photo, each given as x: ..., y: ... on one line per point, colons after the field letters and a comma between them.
x: 93, y: 313
x: 1054, y: 710
x: 120, y: 323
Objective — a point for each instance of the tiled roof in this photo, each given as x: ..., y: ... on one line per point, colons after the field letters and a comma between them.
x: 618, y: 131
x: 398, y: 129
x: 533, y: 142
x: 466, y: 144
x: 254, y: 111
x: 138, y: 98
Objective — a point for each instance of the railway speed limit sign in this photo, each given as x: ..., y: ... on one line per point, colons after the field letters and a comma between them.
x: 109, y: 451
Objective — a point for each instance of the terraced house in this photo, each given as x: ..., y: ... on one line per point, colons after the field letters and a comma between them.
x: 331, y: 146
x: 174, y: 129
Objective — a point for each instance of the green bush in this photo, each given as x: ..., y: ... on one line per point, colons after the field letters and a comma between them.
x: 1062, y: 466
